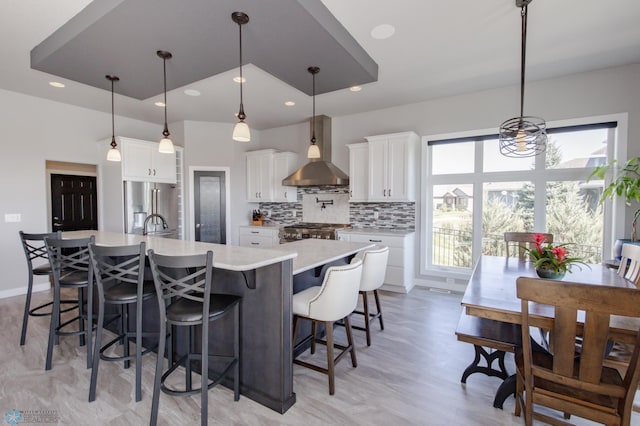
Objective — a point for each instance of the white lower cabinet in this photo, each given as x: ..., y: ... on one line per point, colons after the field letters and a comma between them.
x: 259, y: 236
x: 400, y: 269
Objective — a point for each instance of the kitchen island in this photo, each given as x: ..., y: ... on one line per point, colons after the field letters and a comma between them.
x: 264, y: 279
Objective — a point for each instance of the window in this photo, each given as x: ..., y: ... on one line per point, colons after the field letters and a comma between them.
x: 477, y: 194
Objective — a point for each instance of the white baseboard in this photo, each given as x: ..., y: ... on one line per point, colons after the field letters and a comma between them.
x: 4, y: 294
x: 441, y: 285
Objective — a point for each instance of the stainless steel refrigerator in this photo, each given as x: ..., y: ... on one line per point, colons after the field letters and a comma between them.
x: 152, y: 204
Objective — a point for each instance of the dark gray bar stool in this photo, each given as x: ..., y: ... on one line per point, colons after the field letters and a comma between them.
x: 183, y: 286
x: 70, y: 265
x: 34, y: 249
x: 119, y: 274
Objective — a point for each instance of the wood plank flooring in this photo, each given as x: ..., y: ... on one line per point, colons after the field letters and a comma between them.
x: 409, y: 376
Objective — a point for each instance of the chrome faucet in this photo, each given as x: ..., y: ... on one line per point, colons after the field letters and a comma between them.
x: 153, y: 215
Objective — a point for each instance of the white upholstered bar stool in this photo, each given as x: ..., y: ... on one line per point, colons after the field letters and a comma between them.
x: 630, y: 263
x: 334, y: 300
x: 374, y: 268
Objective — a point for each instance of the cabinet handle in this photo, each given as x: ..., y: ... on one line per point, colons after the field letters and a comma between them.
x: 154, y: 172
x: 384, y: 192
x: 255, y: 244
x: 256, y: 195
x: 389, y: 193
x: 149, y: 172
x: 254, y: 232
x: 260, y: 196
x: 375, y: 241
x: 351, y: 194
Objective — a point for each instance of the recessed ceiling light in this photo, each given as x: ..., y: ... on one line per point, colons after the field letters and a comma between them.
x: 56, y: 84
x: 383, y: 31
x: 192, y: 92
x: 355, y: 88
x: 237, y: 79
x: 289, y: 103
x: 159, y: 104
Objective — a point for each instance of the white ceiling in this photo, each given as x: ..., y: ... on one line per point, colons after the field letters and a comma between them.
x: 440, y: 48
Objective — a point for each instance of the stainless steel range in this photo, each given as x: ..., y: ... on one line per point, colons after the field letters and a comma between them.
x: 299, y: 231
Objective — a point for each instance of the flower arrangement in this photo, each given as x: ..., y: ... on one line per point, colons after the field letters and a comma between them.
x: 554, y: 259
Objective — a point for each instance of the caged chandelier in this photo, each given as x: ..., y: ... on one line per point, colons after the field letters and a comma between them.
x: 523, y: 136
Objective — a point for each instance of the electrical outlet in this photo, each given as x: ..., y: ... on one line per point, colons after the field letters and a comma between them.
x: 376, y: 215
x: 293, y: 213
x: 451, y: 281
x: 13, y: 217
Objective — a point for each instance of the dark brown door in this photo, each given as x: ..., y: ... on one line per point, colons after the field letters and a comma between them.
x: 74, y: 204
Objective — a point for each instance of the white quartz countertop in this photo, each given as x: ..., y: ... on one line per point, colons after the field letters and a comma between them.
x: 233, y: 258
x: 317, y: 252
x: 377, y: 231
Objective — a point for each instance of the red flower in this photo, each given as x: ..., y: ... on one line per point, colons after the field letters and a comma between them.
x: 538, y: 241
x: 560, y: 253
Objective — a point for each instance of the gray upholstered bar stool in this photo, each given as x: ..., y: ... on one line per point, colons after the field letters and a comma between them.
x: 34, y: 250
x: 374, y: 268
x: 334, y: 300
x: 119, y: 275
x: 183, y: 287
x: 70, y: 265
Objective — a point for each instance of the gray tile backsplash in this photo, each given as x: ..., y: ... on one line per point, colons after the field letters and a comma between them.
x: 400, y: 216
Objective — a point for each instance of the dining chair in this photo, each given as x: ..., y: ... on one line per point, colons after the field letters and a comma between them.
x: 520, y: 240
x: 574, y: 380
x: 334, y: 300
x: 629, y: 267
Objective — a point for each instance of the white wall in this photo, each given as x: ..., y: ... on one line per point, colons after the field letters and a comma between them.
x: 35, y: 130
x: 210, y: 144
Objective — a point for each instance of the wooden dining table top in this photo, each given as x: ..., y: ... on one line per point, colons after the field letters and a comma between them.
x: 491, y: 293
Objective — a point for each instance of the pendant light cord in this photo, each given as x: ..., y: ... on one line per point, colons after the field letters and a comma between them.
x: 523, y: 48
x: 113, y: 126
x: 165, y: 132
x: 241, y: 114
x: 313, y: 117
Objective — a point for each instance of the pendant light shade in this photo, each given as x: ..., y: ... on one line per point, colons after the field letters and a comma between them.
x: 523, y: 136
x: 114, y: 153
x: 313, y: 151
x: 241, y: 132
x: 166, y: 145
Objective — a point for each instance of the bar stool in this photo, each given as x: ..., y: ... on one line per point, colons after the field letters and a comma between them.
x: 34, y: 248
x: 374, y: 268
x: 183, y: 287
x: 71, y: 268
x: 119, y: 274
x: 334, y: 300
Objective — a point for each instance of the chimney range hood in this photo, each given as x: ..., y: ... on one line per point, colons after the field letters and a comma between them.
x: 319, y: 171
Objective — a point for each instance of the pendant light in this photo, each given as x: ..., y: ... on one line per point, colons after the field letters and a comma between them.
x: 241, y: 132
x: 313, y: 151
x: 523, y: 136
x: 166, y: 146
x: 114, y: 153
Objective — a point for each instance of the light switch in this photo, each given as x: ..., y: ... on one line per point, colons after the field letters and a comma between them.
x: 12, y: 217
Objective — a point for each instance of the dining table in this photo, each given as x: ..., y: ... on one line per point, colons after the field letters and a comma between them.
x: 491, y: 294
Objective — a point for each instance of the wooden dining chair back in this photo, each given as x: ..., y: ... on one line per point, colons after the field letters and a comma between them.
x: 630, y: 263
x: 574, y: 379
x: 515, y: 242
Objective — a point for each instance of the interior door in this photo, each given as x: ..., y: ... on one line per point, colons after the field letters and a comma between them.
x: 74, y: 204
x: 210, y: 206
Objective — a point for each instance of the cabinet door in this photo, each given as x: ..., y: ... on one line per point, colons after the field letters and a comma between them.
x: 136, y: 161
x: 283, y: 166
x: 358, y: 172
x: 378, y: 170
x: 253, y: 178
x: 163, y: 166
x: 397, y: 157
x: 266, y: 177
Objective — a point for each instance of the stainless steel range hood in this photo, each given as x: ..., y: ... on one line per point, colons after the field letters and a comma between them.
x: 319, y: 171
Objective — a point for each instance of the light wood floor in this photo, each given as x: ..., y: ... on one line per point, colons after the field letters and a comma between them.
x: 409, y: 376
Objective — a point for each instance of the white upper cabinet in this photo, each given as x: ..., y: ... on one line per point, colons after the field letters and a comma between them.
x: 358, y: 171
x: 284, y: 163
x: 391, y: 171
x: 141, y: 161
x: 265, y: 170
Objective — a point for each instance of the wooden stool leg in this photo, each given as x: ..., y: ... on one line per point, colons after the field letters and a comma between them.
x: 377, y: 297
x: 350, y: 345
x: 330, y: 358
x: 367, y: 319
x: 313, y: 336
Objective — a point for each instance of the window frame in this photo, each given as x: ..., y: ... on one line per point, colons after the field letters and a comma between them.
x: 614, y: 212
